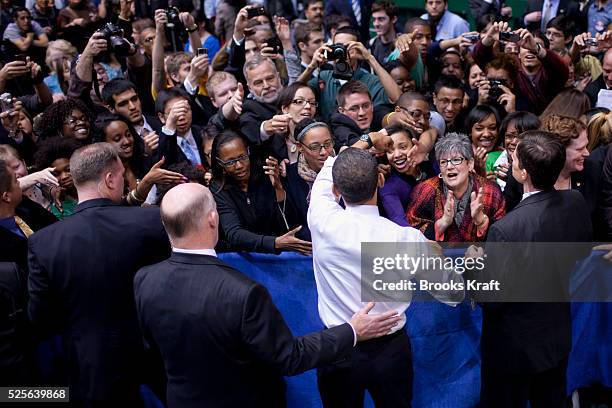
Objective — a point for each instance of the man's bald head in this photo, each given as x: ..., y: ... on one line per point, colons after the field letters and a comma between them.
x: 607, y: 68
x: 185, y: 211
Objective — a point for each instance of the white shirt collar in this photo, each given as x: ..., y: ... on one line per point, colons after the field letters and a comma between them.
x: 369, y: 210
x: 525, y: 195
x: 206, y: 251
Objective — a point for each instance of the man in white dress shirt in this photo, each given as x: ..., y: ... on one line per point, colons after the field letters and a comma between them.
x: 383, y: 366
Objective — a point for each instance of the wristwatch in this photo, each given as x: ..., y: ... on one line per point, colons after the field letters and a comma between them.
x: 366, y: 138
x: 192, y: 29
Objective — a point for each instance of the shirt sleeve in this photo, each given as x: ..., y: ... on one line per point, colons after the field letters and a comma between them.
x: 323, y: 202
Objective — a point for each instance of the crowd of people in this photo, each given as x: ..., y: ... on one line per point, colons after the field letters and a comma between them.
x: 111, y: 110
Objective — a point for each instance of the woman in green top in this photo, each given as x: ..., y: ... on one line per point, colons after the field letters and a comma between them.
x: 482, y: 124
x: 56, y: 152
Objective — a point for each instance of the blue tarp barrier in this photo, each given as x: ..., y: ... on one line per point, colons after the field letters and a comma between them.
x: 445, y: 340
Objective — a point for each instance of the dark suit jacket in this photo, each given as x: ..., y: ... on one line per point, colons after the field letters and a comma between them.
x: 569, y: 8
x: 344, y: 8
x: 173, y: 154
x: 592, y: 90
x: 522, y: 338
x: 253, y: 114
x: 223, y: 341
x: 81, y: 284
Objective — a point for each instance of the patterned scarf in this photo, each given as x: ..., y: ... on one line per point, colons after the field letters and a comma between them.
x: 306, y: 173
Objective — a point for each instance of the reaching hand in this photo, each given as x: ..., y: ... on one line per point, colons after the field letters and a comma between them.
x: 477, y: 206
x: 369, y: 326
x: 404, y: 41
x: 289, y: 242
x: 151, y: 143
x: 416, y: 155
x: 278, y: 124
x: 272, y: 170
x: 381, y: 141
x: 157, y: 175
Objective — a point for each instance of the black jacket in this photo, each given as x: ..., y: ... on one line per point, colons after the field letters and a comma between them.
x: 297, y: 191
x: 251, y: 221
x: 81, y: 285
x: 569, y: 8
x: 592, y: 90
x: 533, y: 337
x: 171, y: 151
x: 223, y: 341
x: 345, y: 130
x: 253, y: 114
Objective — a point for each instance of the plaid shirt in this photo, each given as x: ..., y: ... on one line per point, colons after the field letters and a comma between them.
x: 427, y: 206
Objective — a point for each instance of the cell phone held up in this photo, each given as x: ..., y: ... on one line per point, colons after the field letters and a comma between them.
x: 275, y: 44
x: 509, y: 36
x: 590, y: 42
x: 7, y: 102
x: 255, y: 12
x: 202, y: 51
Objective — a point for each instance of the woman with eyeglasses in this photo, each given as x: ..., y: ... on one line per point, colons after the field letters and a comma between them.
x: 255, y: 214
x: 315, y: 145
x: 395, y: 194
x: 458, y: 205
x: 68, y: 118
x: 296, y: 102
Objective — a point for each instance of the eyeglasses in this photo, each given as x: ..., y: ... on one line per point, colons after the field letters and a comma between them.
x: 316, y: 147
x: 302, y: 102
x: 455, y: 161
x: 446, y: 101
x: 511, y: 135
x: 73, y: 121
x: 416, y: 114
x: 355, y: 109
x: 149, y: 39
x: 231, y: 163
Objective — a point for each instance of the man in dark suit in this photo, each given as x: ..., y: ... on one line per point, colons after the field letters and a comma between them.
x: 81, y: 281
x: 121, y: 96
x: 359, y: 11
x: 179, y: 140
x: 604, y: 81
x: 223, y: 341
x: 539, y: 12
x: 525, y: 346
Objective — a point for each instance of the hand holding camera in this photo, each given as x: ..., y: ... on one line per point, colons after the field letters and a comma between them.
x: 492, y: 34
x: 13, y: 70
x: 10, y: 113
x: 320, y: 57
x: 161, y: 19
x: 272, y: 48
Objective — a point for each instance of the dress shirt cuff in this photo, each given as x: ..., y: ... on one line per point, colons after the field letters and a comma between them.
x: 238, y: 43
x: 488, y: 1
x: 191, y: 90
x: 262, y: 133
x: 354, y: 334
x: 168, y: 132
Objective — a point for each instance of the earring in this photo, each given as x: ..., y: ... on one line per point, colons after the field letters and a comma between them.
x: 440, y: 175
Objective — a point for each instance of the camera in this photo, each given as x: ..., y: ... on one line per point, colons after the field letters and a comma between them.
x: 255, y: 12
x: 202, y: 51
x: 342, y: 68
x: 338, y: 52
x: 496, y: 91
x: 114, y: 37
x: 472, y: 37
x: 172, y: 13
x: 6, y: 102
x: 591, y: 42
x: 509, y: 36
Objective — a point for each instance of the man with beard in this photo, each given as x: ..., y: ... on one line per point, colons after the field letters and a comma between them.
x: 259, y: 121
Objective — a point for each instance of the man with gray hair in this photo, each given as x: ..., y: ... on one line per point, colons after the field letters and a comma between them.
x: 81, y: 277
x: 259, y: 120
x: 223, y: 341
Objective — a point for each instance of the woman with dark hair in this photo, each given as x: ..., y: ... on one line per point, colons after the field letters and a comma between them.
x: 511, y: 127
x: 139, y: 181
x: 482, y: 123
x: 457, y: 206
x: 569, y: 102
x: 69, y: 118
x: 315, y: 145
x: 395, y: 194
x: 55, y: 153
x: 254, y: 215
x: 296, y: 102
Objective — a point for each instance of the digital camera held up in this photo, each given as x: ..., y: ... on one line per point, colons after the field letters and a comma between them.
x: 114, y: 37
x: 342, y: 67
